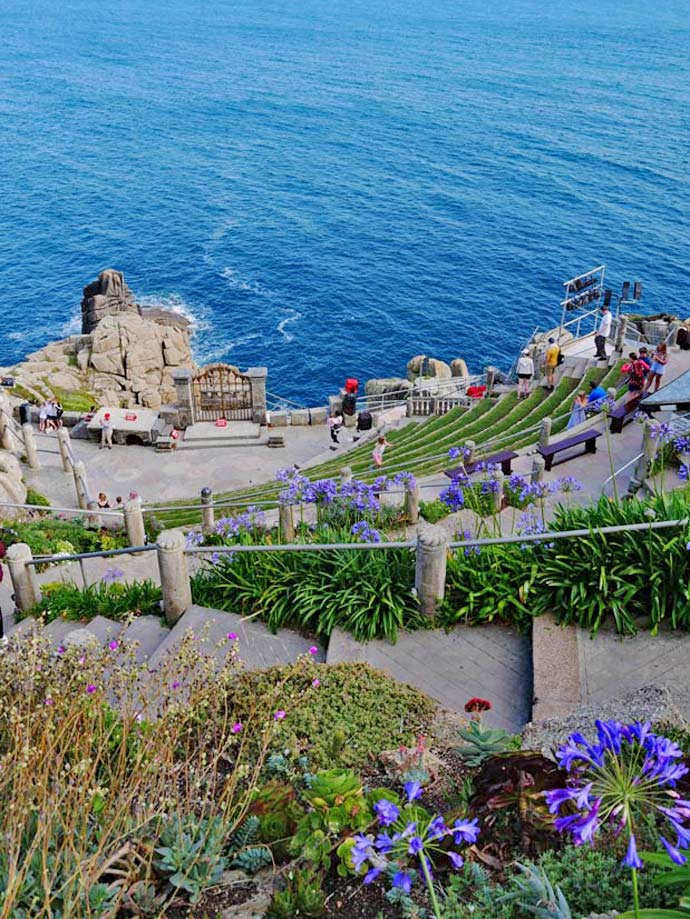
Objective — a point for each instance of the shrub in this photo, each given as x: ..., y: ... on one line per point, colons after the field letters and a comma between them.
x: 115, y: 601
x: 349, y: 698
x: 35, y: 497
x: 433, y: 511
x: 47, y: 536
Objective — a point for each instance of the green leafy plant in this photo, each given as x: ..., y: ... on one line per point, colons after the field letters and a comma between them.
x: 534, y: 892
x: 113, y: 600
x: 35, y: 497
x: 433, y: 511
x: 277, y: 810
x: 481, y: 742
x: 191, y: 855
x: 302, y: 896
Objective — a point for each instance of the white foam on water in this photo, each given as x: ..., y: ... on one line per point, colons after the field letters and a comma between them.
x: 294, y: 316
x: 198, y: 316
x: 217, y: 353
x: 236, y: 281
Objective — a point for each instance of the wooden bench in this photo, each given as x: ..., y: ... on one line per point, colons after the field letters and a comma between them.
x: 275, y: 441
x: 621, y: 414
x: 588, y: 438
x: 505, y: 458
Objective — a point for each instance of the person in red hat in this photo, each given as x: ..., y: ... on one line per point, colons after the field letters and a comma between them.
x: 106, y: 431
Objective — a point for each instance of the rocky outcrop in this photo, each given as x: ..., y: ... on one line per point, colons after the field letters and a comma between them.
x: 106, y: 296
x: 458, y: 368
x: 126, y: 359
x: 423, y: 366
x: 395, y: 387
x: 12, y: 487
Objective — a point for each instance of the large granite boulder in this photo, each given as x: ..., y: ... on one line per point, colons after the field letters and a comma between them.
x: 424, y: 366
x: 395, y: 387
x: 458, y: 368
x: 107, y: 295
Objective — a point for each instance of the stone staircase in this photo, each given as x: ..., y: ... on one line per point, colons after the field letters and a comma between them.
x: 258, y: 648
x: 235, y: 434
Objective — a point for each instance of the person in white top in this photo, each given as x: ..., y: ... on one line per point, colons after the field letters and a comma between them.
x: 525, y: 372
x: 602, y: 334
x: 377, y: 454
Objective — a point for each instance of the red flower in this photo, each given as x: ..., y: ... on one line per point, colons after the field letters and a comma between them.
x: 477, y: 705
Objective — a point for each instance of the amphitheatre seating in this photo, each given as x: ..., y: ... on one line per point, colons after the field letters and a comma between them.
x: 588, y: 438
x: 504, y: 458
x: 623, y: 413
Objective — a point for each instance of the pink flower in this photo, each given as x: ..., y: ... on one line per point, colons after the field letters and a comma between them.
x: 49, y: 701
x: 176, y: 684
x: 91, y: 688
x: 237, y: 727
x: 279, y: 715
x: 82, y: 659
x: 313, y: 650
x: 232, y: 636
x: 113, y: 645
x: 61, y: 649
x: 316, y: 683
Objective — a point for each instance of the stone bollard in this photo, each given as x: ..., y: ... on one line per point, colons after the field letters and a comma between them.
x: 345, y: 475
x: 208, y: 514
x: 27, y: 593
x: 620, y: 335
x: 6, y: 436
x: 430, y: 569
x: 497, y: 495
x: 491, y: 374
x: 80, y: 484
x: 538, y: 466
x: 30, y: 445
x: 545, y: 433
x: 134, y: 522
x: 412, y: 504
x: 470, y: 447
x: 286, y: 517
x: 612, y: 393
x: 644, y: 464
x: 93, y: 520
x: 63, y: 440
x: 175, y: 584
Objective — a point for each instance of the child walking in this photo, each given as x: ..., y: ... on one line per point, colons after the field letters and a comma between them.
x: 377, y: 454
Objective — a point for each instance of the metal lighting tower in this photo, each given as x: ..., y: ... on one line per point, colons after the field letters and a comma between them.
x: 584, y: 292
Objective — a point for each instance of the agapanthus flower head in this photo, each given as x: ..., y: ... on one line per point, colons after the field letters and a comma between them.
x: 625, y: 779
x: 453, y: 496
x: 661, y: 433
x: 365, y: 532
x: 110, y: 575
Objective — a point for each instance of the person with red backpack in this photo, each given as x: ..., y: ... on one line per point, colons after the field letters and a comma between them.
x: 637, y: 372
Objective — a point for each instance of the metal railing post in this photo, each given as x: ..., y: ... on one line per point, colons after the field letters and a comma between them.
x: 175, y: 584
x: 27, y: 593
x: 208, y: 520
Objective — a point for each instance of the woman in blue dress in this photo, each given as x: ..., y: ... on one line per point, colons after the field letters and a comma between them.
x: 577, y: 415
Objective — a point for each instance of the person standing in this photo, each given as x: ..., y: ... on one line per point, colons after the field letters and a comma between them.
x: 553, y: 352
x: 656, y: 371
x: 645, y: 358
x: 106, y: 432
x: 377, y: 454
x: 52, y: 418
x: 335, y: 423
x: 525, y: 372
x: 637, y: 371
x: 603, y: 333
x: 42, y: 416
x: 103, y: 502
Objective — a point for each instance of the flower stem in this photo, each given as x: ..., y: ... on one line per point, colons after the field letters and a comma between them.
x: 636, y: 894
x: 430, y: 884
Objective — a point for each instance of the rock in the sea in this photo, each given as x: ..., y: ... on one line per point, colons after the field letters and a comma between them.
x: 424, y: 366
x: 396, y: 387
x: 105, y: 296
x: 458, y: 368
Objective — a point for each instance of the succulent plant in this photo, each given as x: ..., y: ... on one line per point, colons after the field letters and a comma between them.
x: 480, y: 743
x: 333, y: 787
x: 536, y: 894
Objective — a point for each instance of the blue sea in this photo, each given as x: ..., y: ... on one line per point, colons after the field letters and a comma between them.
x: 331, y: 186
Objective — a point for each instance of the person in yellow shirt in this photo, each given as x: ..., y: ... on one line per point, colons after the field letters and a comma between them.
x: 551, y: 362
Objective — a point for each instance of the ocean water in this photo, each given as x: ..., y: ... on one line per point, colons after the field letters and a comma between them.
x: 331, y: 187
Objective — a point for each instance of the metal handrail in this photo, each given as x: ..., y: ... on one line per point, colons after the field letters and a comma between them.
x: 618, y: 472
x: 78, y: 556
x: 46, y: 509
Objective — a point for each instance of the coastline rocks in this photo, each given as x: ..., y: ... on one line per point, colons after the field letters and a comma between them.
x: 107, y: 295
x: 12, y: 487
x: 424, y: 366
x: 458, y: 368
x: 388, y: 386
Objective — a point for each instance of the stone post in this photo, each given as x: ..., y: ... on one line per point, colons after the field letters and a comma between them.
x: 619, y: 344
x: 63, y: 440
x: 470, y: 447
x: 538, y: 465
x: 257, y: 380
x: 208, y: 514
x: 673, y: 329
x: 27, y: 593
x: 345, y: 475
x: 6, y: 436
x: 93, y: 520
x: 30, y: 445
x: 612, y: 393
x: 644, y: 463
x: 80, y: 484
x: 286, y: 517
x: 491, y: 373
x: 412, y: 504
x: 430, y: 569
x: 497, y: 496
x: 182, y: 378
x: 545, y: 434
x: 134, y: 522
x: 175, y: 583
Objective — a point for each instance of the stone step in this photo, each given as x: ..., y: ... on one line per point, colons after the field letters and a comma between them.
x: 101, y: 628
x: 148, y: 632
x: 222, y: 442
x: 257, y: 647
x: 22, y: 628
x: 556, y: 668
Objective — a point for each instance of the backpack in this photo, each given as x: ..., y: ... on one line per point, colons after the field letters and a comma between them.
x: 560, y: 358
x: 638, y: 372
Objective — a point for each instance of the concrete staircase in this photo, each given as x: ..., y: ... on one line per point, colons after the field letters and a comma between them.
x: 235, y: 434
x: 257, y: 647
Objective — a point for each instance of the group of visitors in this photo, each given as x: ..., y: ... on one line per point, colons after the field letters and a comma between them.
x: 586, y: 402
x: 645, y: 372
x: 50, y: 415
x: 553, y: 357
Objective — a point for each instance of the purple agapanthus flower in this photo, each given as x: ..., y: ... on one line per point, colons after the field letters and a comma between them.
x: 625, y: 779
x: 111, y: 575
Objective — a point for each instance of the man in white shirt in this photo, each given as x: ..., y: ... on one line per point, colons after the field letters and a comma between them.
x: 603, y: 333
